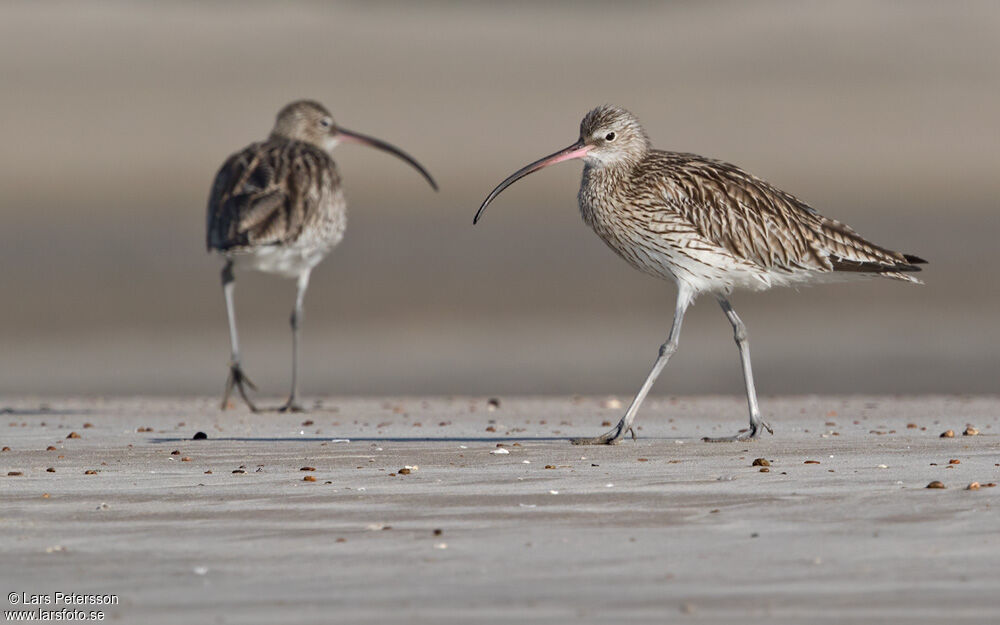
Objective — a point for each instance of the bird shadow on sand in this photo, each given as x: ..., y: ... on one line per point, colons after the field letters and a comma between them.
x: 42, y: 412
x: 389, y: 439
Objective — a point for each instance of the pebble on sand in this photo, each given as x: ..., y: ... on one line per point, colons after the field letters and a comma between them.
x: 72, y: 435
x: 972, y: 486
x: 970, y: 431
x: 760, y: 462
x: 948, y: 434
x: 936, y: 484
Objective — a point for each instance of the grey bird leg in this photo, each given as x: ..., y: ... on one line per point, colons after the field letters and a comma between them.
x: 291, y: 405
x: 614, y: 435
x: 756, y: 423
x: 236, y: 376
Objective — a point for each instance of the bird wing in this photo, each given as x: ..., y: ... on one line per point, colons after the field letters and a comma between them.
x: 758, y: 223
x: 267, y: 193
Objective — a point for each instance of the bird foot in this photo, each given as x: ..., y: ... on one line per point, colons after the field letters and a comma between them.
x: 238, y: 379
x: 752, y: 433
x: 612, y: 437
x: 291, y: 406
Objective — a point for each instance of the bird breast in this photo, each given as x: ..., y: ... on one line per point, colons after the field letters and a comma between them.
x: 642, y: 227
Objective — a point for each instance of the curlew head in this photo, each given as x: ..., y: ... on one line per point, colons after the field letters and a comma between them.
x: 308, y: 121
x: 610, y: 136
x: 616, y: 136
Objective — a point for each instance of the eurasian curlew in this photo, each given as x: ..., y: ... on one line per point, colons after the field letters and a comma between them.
x: 708, y: 226
x: 278, y: 206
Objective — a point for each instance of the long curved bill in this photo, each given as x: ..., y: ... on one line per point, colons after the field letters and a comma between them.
x: 577, y: 150
x: 357, y: 137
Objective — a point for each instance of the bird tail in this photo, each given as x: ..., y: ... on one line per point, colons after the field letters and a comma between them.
x: 896, y: 270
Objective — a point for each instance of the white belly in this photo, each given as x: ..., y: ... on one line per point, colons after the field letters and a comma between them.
x: 289, y: 262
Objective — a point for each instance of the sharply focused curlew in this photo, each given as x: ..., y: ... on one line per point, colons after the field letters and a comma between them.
x: 707, y: 225
x: 277, y: 206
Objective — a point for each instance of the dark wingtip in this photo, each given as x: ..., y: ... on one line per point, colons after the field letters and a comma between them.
x: 854, y: 266
x: 914, y: 260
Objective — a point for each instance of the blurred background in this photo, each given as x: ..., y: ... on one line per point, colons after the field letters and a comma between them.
x: 116, y: 116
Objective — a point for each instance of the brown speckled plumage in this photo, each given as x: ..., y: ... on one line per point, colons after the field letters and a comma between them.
x: 271, y: 193
x: 709, y: 226
x: 714, y: 225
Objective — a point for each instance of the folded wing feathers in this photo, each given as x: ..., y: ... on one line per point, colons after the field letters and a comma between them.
x: 266, y: 194
x: 755, y: 221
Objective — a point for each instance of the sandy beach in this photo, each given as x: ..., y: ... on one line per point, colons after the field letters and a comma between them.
x: 500, y: 519
x: 425, y: 503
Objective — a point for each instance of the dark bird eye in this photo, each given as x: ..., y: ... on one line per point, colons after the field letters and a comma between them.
x: 610, y: 136
x: 326, y: 123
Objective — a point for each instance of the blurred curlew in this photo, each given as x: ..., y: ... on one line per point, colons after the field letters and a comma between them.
x: 710, y: 227
x: 278, y: 206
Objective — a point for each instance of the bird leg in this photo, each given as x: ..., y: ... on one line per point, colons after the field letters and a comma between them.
x: 756, y: 423
x: 292, y: 405
x: 236, y: 377
x: 613, y: 436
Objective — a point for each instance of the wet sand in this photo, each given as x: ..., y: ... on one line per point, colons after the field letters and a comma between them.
x: 663, y: 529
